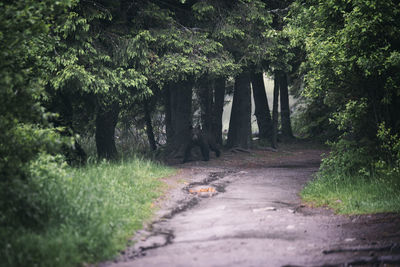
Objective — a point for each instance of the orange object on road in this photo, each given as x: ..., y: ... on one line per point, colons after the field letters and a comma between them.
x: 201, y: 190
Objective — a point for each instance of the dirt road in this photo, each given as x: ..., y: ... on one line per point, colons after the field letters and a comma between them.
x: 244, y: 210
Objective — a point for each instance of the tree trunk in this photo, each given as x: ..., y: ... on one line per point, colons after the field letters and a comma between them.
x: 219, y: 100
x: 275, y: 111
x: 167, y: 109
x: 240, y: 121
x: 149, y: 126
x: 206, y: 104
x: 212, y: 96
x: 180, y: 108
x: 262, y: 111
x: 285, y: 110
x: 106, y: 120
x: 62, y: 105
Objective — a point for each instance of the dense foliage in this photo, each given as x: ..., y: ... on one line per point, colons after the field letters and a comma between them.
x: 352, y: 93
x: 25, y: 132
x: 352, y: 78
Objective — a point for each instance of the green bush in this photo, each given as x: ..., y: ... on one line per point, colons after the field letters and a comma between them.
x: 356, y: 179
x: 389, y: 162
x: 349, y: 158
x: 24, y: 157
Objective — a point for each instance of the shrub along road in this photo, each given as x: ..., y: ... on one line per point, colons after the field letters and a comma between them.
x: 243, y: 209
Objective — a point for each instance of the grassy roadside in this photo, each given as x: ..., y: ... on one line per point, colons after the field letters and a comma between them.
x: 354, y: 195
x: 93, y: 211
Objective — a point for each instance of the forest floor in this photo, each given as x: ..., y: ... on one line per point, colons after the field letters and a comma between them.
x: 244, y: 209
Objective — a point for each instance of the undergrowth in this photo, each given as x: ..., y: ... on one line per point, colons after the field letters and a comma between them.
x: 357, y: 179
x: 88, y: 213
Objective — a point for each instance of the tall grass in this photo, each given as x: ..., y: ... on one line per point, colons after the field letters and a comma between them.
x: 357, y: 179
x: 353, y: 194
x: 91, y: 213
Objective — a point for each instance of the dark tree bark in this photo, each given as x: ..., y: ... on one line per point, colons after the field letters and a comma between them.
x: 149, y: 126
x: 275, y: 111
x: 106, y: 120
x: 239, y: 134
x: 61, y: 104
x: 218, y: 109
x: 212, y: 96
x: 179, y: 115
x: 262, y: 111
x: 167, y: 109
x: 206, y: 97
x: 285, y: 110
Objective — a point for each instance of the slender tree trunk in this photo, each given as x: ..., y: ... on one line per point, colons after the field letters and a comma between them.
x: 149, y: 126
x: 74, y: 155
x: 167, y: 109
x: 262, y: 111
x: 240, y: 121
x: 106, y: 120
x: 206, y: 104
x: 180, y: 103
x: 274, y: 140
x: 219, y: 100
x: 285, y: 110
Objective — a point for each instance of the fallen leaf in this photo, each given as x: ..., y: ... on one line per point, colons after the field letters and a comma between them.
x: 210, y: 189
x: 202, y: 190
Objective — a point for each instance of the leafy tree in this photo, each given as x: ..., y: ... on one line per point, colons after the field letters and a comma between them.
x: 240, y: 27
x: 183, y: 55
x: 352, y: 66
x: 101, y: 67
